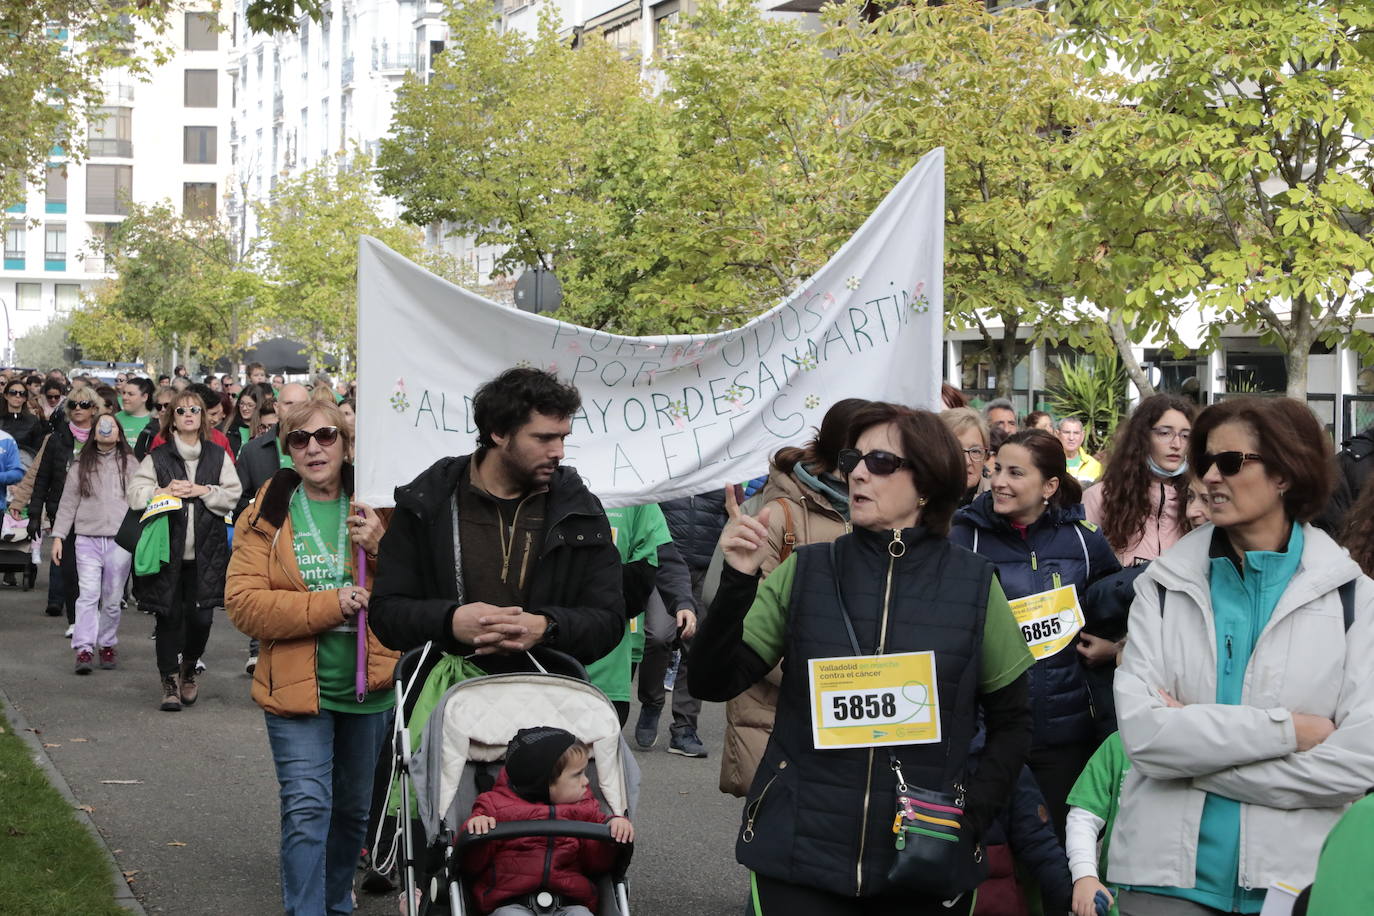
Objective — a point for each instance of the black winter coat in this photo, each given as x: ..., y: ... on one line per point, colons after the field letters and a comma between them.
x: 28, y: 430
x: 211, y: 537
x: 51, y: 477
x: 695, y: 523
x: 576, y: 581
x: 258, y: 460
x: 1060, y: 548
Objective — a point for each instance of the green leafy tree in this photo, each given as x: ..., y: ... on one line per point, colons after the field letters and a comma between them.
x: 310, y: 230
x: 44, y: 347
x: 1239, y: 174
x: 180, y: 278
x: 102, y: 331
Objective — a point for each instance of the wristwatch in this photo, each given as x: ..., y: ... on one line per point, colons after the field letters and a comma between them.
x: 550, y: 631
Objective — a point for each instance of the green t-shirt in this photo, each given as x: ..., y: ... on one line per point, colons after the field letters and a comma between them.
x: 637, y: 532
x: 1344, y: 885
x: 132, y: 425
x: 1098, y: 791
x: 336, y: 659
x: 1004, y: 657
x: 283, y: 456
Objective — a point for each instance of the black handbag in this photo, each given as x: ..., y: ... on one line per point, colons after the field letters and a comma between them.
x: 130, y: 529
x: 936, y: 851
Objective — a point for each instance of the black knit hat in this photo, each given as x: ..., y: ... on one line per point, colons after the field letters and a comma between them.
x: 530, y: 758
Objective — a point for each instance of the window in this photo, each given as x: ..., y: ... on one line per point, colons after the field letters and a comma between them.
x: 198, y: 200
x: 28, y: 297
x: 56, y: 189
x: 202, y: 89
x: 55, y: 246
x: 200, y: 145
x: 108, y: 188
x: 66, y: 296
x: 15, y: 237
x: 202, y: 33
x: 111, y: 132
x: 20, y: 194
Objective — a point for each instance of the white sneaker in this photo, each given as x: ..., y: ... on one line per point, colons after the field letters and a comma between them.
x: 71, y: 627
x: 251, y: 665
x: 200, y: 666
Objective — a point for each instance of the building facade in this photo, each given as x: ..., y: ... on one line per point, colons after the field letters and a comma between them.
x: 160, y: 137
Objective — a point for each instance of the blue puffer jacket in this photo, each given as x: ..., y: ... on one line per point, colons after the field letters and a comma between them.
x: 1059, y: 544
x: 695, y: 523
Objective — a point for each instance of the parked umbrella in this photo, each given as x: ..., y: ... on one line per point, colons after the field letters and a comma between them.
x: 281, y: 354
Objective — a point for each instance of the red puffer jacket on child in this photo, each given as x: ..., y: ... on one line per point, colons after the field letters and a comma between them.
x: 507, y: 869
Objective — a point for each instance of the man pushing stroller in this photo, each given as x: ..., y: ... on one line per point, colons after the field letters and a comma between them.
x: 545, y: 778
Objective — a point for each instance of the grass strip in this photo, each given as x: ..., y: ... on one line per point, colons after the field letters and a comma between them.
x: 49, y: 862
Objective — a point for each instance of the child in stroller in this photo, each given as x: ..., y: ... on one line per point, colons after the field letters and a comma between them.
x: 545, y: 777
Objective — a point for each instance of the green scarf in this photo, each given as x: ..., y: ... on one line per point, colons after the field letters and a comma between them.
x: 154, y: 549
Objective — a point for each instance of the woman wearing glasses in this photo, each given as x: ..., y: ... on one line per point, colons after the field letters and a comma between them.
x: 971, y: 431
x: 1031, y: 526
x: 1245, y: 695
x: 186, y: 590
x: 19, y: 421
x: 70, y: 432
x: 293, y: 584
x: 893, y: 603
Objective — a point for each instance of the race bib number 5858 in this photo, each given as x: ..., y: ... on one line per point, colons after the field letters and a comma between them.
x: 869, y: 701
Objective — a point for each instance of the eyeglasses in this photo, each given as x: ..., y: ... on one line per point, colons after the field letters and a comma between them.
x: 183, y: 411
x: 16, y: 393
x: 880, y: 463
x: 1169, y: 434
x: 977, y: 453
x: 82, y: 405
x: 163, y: 405
x: 1229, y: 463
x: 298, y: 439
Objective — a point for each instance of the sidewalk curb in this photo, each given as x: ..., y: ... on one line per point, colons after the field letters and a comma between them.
x: 123, y: 894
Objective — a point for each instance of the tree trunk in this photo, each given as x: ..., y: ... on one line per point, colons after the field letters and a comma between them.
x: 1295, y: 361
x: 1004, y: 359
x: 1117, y: 328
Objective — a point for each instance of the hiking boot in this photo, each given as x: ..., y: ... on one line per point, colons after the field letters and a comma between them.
x: 646, y: 729
x: 171, y: 700
x: 107, y: 657
x: 83, y: 661
x: 189, y: 691
x: 53, y: 610
x: 686, y: 743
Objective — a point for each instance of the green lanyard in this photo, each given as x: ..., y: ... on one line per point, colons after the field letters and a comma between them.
x: 335, y: 560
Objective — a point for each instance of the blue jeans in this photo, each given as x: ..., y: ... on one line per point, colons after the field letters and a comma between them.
x: 324, y: 768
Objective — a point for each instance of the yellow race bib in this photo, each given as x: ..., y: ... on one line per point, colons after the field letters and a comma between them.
x: 874, y: 700
x: 1049, y: 621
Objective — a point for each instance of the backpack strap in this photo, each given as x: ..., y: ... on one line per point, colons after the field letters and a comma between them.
x: 1087, y: 560
x: 789, y: 531
x: 1347, y: 593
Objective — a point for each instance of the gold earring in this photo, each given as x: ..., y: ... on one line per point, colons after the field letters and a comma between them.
x: 920, y: 503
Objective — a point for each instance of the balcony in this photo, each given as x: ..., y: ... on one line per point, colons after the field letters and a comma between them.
x: 14, y: 263
x: 55, y: 265
x: 278, y: 107
x: 119, y: 93
x: 393, y: 60
x: 94, y: 263
x: 118, y: 149
x: 346, y: 71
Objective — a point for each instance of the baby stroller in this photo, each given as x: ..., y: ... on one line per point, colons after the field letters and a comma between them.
x: 461, y: 752
x: 19, y: 555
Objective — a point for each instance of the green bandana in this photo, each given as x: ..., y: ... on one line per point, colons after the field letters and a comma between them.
x: 154, y: 549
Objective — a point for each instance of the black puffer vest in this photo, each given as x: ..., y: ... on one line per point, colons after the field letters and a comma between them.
x: 823, y: 818
x: 212, y: 537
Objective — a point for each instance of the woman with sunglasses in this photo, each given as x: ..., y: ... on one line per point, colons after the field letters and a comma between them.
x: 1245, y: 695
x: 190, y: 585
x: 1030, y: 525
x: 293, y: 584
x: 161, y: 418
x: 240, y: 426
x: 971, y: 430
x: 19, y: 421
x: 818, y: 830
x: 70, y: 431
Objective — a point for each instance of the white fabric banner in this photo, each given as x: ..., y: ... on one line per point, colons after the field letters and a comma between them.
x: 668, y: 416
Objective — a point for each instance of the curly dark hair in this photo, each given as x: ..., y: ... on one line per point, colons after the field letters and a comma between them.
x: 504, y: 404
x: 1127, y: 482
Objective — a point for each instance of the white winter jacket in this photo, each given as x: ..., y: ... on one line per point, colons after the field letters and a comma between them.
x: 1304, y: 661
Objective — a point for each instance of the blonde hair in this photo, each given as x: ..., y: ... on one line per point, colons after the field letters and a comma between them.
x: 959, y: 420
x: 297, y: 417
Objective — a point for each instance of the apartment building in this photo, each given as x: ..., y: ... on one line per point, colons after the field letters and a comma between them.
x: 159, y: 137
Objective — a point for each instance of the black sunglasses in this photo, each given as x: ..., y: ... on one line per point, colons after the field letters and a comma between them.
x: 1229, y: 463
x: 16, y: 393
x: 880, y: 463
x: 183, y: 411
x: 82, y: 405
x: 298, y: 439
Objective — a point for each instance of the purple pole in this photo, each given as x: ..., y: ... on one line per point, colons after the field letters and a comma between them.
x: 360, y: 676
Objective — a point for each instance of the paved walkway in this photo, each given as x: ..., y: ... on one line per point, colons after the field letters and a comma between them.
x: 187, y: 801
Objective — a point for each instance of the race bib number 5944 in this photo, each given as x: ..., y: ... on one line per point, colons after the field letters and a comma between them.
x: 869, y: 701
